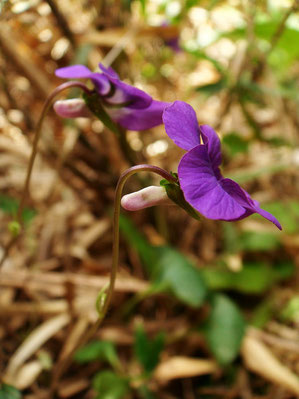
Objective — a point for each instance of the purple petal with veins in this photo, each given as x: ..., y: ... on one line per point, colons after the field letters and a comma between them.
x: 139, y: 119
x: 100, y: 81
x: 200, y: 178
x: 181, y: 125
x: 201, y: 187
x: 131, y: 107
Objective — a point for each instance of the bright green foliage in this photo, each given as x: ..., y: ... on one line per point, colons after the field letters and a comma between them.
x: 287, y: 212
x: 9, y: 392
x: 258, y: 241
x: 213, y: 88
x: 109, y: 385
x: 286, y: 49
x: 236, y: 241
x: 235, y: 144
x: 143, y: 6
x: 253, y: 278
x: 148, y: 351
x: 169, y: 269
x: 174, y: 271
x: 224, y: 329
x: 10, y: 206
x: 145, y: 393
x: 262, y: 314
x: 291, y: 311
x: 98, y: 350
x: 138, y: 242
x: 15, y: 228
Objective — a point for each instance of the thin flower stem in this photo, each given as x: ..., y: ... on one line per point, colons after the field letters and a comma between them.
x: 117, y: 200
x: 281, y: 27
x: 115, y: 257
x: 34, y: 151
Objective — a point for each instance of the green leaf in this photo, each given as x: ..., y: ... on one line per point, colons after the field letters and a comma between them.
x: 286, y: 212
x: 9, y: 392
x: 213, y: 88
x: 148, y: 351
x: 253, y: 278
x: 191, y: 3
x: 294, y: 206
x: 143, y: 6
x: 145, y: 393
x: 169, y: 269
x: 224, y: 329
x: 10, y: 206
x: 175, y: 271
x: 291, y: 310
x: 235, y: 144
x: 98, y: 350
x: 262, y: 314
x: 286, y: 49
x: 110, y: 385
x: 230, y: 237
x: 138, y: 241
x: 257, y: 241
x: 284, y: 270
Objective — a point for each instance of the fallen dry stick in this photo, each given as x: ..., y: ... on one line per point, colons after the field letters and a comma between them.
x: 259, y: 359
x: 183, y: 367
x: 55, y: 282
x: 32, y: 343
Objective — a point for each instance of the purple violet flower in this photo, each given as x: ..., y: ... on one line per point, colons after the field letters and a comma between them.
x: 132, y: 108
x: 172, y: 41
x: 200, y: 178
x: 174, y: 44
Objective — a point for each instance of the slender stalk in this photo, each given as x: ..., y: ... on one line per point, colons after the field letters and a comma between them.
x: 118, y: 194
x: 281, y: 27
x: 115, y: 257
x: 34, y: 151
x: 62, y: 21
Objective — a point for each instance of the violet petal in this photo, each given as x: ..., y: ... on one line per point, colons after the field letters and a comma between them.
x: 202, y: 189
x: 181, y: 125
x: 268, y: 216
x: 100, y: 81
x: 212, y: 140
x: 124, y: 93
x: 72, y: 108
x: 73, y: 72
x: 244, y: 199
x: 110, y: 72
x: 140, y: 119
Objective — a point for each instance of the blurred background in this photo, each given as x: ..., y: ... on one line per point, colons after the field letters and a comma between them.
x: 202, y: 309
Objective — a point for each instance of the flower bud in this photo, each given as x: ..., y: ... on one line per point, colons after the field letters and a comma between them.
x: 74, y: 108
x: 145, y: 198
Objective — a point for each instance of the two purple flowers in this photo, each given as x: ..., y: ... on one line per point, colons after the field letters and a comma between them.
x: 130, y: 107
x: 200, y: 179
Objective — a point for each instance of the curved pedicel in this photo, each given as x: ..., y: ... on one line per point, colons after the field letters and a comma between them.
x: 47, y: 105
x: 117, y: 203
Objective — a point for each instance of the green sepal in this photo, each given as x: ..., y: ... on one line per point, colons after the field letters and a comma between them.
x: 176, y: 195
x: 9, y: 392
x: 101, y: 299
x: 95, y: 105
x: 15, y: 228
